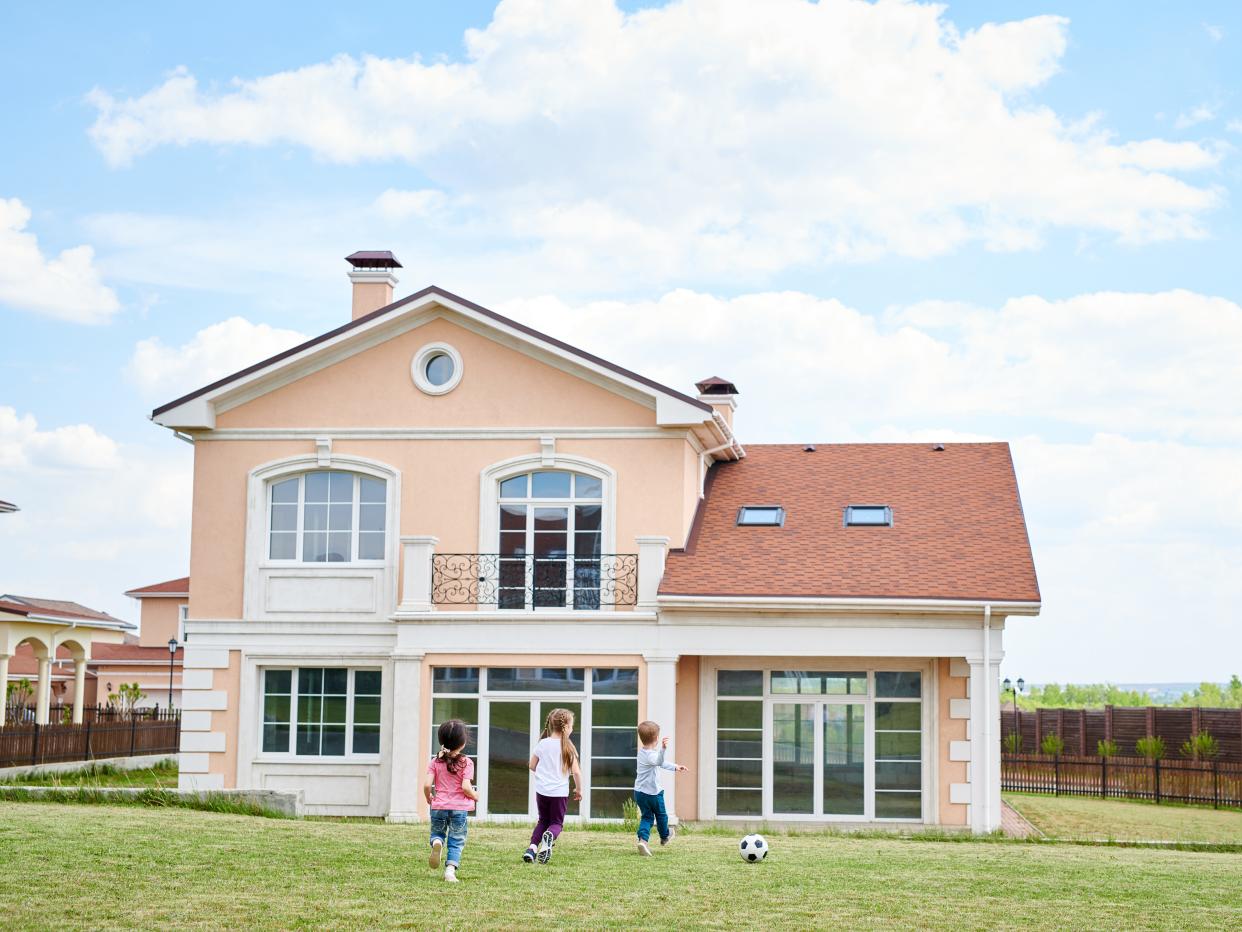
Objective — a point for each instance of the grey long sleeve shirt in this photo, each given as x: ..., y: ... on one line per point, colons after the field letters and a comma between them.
x: 650, y: 763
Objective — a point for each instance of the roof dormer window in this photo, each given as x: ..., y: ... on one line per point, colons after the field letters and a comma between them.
x: 868, y: 516
x: 761, y: 516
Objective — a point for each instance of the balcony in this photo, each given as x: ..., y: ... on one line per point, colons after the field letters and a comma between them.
x: 599, y: 581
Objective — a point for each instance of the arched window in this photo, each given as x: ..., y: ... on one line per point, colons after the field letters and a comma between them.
x: 327, y: 516
x: 551, y: 539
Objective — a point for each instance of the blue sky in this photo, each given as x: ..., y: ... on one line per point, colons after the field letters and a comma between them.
x: 1022, y: 229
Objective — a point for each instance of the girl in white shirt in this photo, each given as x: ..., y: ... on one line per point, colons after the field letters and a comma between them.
x: 554, y: 761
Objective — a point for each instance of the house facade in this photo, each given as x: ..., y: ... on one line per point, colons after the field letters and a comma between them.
x: 433, y: 511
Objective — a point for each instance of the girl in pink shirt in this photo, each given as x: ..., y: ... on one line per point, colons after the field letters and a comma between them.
x: 449, y: 788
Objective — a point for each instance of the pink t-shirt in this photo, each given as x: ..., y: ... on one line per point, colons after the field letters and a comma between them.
x: 448, y: 786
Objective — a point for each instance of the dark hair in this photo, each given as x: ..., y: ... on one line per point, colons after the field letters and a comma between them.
x: 452, y: 737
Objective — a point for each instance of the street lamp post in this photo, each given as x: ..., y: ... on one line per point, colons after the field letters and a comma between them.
x: 172, y: 652
x: 1014, y: 689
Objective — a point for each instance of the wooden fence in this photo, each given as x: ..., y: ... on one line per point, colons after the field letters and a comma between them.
x: 46, y: 744
x: 1081, y: 729
x: 1186, y: 781
x: 63, y: 714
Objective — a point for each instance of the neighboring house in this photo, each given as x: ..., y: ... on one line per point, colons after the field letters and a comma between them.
x: 434, y: 511
x: 49, y: 641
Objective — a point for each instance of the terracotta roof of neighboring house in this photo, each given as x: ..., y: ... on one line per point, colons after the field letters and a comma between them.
x: 60, y: 608
x: 958, y: 531
x: 418, y: 295
x: 172, y: 587
x: 114, y: 653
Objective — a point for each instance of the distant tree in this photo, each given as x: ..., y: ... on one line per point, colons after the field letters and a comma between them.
x: 1098, y: 695
x: 126, y: 698
x: 1215, y: 696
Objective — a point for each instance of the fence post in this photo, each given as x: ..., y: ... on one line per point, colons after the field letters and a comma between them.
x: 133, y: 732
x: 1103, y: 777
x: 1156, y: 764
x: 1108, y: 723
x: 1056, y: 774
x: 86, y: 754
x: 1215, y: 785
x: 1082, y: 732
x: 34, y: 746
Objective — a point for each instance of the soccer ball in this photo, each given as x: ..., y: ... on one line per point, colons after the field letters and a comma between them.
x: 753, y: 848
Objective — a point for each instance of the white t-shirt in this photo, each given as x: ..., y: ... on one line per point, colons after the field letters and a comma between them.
x: 550, y: 779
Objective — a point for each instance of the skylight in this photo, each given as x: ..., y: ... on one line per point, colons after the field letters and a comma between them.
x: 761, y: 516
x: 868, y: 516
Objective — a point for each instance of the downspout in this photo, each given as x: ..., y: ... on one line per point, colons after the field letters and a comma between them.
x: 986, y: 737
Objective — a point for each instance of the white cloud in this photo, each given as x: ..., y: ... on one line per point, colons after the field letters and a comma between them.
x: 730, y: 137
x: 72, y: 447
x: 66, y: 287
x: 1201, y: 113
x: 1215, y: 33
x: 215, y: 351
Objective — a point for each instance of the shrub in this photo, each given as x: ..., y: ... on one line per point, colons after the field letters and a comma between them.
x: 1151, y: 747
x: 1012, y: 743
x: 629, y: 815
x: 1052, y: 745
x: 1106, y: 748
x: 1201, y: 746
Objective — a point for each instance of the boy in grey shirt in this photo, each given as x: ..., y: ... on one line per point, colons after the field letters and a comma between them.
x: 647, y: 791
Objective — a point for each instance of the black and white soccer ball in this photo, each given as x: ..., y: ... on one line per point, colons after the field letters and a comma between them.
x: 753, y: 848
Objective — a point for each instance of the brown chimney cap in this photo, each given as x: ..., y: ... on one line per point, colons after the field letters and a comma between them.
x: 716, y: 386
x: 374, y: 259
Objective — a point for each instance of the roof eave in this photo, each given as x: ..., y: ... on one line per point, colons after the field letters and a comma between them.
x: 844, y: 604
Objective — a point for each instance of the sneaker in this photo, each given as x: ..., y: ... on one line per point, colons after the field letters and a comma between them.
x: 669, y: 837
x: 433, y: 858
x: 529, y: 855
x: 545, y: 848
x: 644, y: 849
x: 450, y: 873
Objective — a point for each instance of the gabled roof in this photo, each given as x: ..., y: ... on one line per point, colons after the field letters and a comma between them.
x: 958, y: 532
x: 172, y: 588
x: 57, y: 609
x: 192, y: 410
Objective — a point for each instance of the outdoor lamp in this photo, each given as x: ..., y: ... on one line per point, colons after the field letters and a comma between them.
x: 172, y: 651
x: 1006, y: 685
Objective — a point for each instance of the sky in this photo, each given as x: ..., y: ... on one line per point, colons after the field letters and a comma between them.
x: 884, y: 222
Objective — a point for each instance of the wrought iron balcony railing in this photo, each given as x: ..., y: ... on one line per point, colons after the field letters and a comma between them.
x: 528, y: 582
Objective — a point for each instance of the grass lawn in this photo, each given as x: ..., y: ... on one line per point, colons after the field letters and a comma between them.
x: 128, y: 867
x: 1127, y: 820
x: 162, y: 776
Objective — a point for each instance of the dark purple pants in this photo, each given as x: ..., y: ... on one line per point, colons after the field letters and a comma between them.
x: 551, y: 816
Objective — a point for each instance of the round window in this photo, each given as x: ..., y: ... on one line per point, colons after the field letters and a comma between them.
x: 439, y: 369
x: 436, y: 368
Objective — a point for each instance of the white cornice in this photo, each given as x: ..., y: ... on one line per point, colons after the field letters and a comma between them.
x: 449, y: 433
x: 804, y: 604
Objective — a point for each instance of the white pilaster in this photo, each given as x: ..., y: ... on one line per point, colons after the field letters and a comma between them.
x: 651, y: 554
x: 4, y: 684
x: 79, y: 688
x: 985, y: 792
x: 44, y: 687
x: 416, y: 573
x: 409, y: 750
x: 662, y: 709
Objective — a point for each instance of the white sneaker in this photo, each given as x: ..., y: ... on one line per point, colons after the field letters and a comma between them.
x: 545, y: 848
x: 643, y: 849
x: 433, y: 857
x: 450, y: 874
x: 671, y: 832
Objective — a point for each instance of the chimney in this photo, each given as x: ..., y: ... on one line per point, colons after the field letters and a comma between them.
x: 373, y: 278
x: 721, y: 394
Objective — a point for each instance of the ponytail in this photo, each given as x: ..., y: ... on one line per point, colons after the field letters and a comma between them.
x: 452, y: 736
x: 558, y: 724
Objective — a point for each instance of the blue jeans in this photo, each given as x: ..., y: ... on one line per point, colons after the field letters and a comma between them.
x: 449, y: 825
x: 652, y: 809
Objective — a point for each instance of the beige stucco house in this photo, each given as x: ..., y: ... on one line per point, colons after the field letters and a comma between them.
x: 434, y: 511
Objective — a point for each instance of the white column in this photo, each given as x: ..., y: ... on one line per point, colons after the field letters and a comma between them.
x: 651, y: 554
x: 4, y: 686
x: 662, y: 709
x: 409, y: 750
x: 416, y: 573
x: 985, y: 798
x: 45, y: 686
x: 79, y: 688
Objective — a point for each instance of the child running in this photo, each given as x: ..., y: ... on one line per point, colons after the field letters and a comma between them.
x: 648, y: 793
x: 555, y: 760
x: 450, y: 792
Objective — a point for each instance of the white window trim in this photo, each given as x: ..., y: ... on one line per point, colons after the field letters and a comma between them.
x: 183, y: 613
x: 489, y: 499
x: 262, y: 756
x: 418, y: 366
x: 355, y: 521
x: 707, y: 727
x: 258, y: 516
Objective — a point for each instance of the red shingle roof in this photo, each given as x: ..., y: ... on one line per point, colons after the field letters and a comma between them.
x: 958, y: 530
x: 60, y: 608
x: 173, y: 586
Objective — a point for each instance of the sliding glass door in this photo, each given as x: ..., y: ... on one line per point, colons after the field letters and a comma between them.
x: 818, y: 754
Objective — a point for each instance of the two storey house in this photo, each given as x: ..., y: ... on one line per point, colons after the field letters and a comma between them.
x: 434, y: 511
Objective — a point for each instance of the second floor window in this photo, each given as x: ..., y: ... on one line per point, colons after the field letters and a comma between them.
x: 327, y: 517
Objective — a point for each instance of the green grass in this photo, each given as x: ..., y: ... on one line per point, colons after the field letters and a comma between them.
x: 1076, y: 817
x: 111, y: 867
x: 162, y: 775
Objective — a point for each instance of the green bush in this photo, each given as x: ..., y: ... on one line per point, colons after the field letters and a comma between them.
x: 1052, y: 745
x: 1012, y: 743
x: 1106, y: 748
x: 1201, y: 746
x: 1151, y: 747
